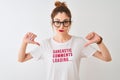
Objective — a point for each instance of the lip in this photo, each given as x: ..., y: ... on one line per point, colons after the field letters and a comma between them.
x: 61, y: 30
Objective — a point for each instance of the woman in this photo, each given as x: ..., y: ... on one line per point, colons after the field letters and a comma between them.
x: 63, y: 52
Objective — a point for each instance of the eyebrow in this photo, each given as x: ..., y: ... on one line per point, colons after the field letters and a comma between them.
x: 63, y: 20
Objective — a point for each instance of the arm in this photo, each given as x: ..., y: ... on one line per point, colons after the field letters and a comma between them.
x: 23, y: 56
x: 103, y: 53
x: 28, y: 38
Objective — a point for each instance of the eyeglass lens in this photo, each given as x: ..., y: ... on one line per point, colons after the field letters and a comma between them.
x: 64, y: 23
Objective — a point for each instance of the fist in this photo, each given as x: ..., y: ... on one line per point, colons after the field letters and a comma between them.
x: 30, y: 38
x: 92, y: 38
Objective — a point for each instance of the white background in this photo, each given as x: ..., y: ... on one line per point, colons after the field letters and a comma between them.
x: 20, y: 16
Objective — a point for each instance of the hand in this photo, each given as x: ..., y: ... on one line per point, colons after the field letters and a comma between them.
x: 29, y: 38
x: 92, y: 38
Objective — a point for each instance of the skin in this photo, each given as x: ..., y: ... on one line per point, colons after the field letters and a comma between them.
x: 61, y: 37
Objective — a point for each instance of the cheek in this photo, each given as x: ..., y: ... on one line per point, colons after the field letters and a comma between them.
x: 66, y: 29
x: 55, y: 29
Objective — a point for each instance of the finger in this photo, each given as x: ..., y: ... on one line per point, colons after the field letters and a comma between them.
x: 88, y: 43
x: 32, y: 37
x: 26, y: 35
x: 36, y: 43
x: 90, y: 36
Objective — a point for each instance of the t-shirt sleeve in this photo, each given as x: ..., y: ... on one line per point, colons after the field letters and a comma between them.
x: 37, y: 52
x: 88, y: 51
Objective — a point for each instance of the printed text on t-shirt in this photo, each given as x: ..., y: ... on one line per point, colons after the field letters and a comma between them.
x: 62, y: 55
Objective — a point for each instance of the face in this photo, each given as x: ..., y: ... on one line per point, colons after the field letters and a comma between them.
x: 61, y: 23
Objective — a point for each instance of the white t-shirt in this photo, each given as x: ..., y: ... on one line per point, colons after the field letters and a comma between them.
x: 62, y: 59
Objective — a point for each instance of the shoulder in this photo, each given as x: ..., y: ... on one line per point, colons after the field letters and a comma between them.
x: 45, y: 41
x: 78, y: 38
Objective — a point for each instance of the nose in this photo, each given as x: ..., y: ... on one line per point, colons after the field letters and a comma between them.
x: 61, y: 25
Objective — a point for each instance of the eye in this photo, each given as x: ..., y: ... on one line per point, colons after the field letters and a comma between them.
x: 65, y: 22
x: 56, y: 22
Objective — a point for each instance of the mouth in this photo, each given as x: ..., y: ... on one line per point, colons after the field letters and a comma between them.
x: 61, y: 30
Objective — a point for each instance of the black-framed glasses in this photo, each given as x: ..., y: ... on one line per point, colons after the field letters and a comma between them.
x: 65, y: 23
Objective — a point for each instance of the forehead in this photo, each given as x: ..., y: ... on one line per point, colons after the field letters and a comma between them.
x: 61, y: 16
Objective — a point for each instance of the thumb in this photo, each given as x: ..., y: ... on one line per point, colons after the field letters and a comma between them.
x: 88, y: 43
x: 36, y: 43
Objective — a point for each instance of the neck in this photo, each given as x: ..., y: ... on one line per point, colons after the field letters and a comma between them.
x: 61, y: 38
